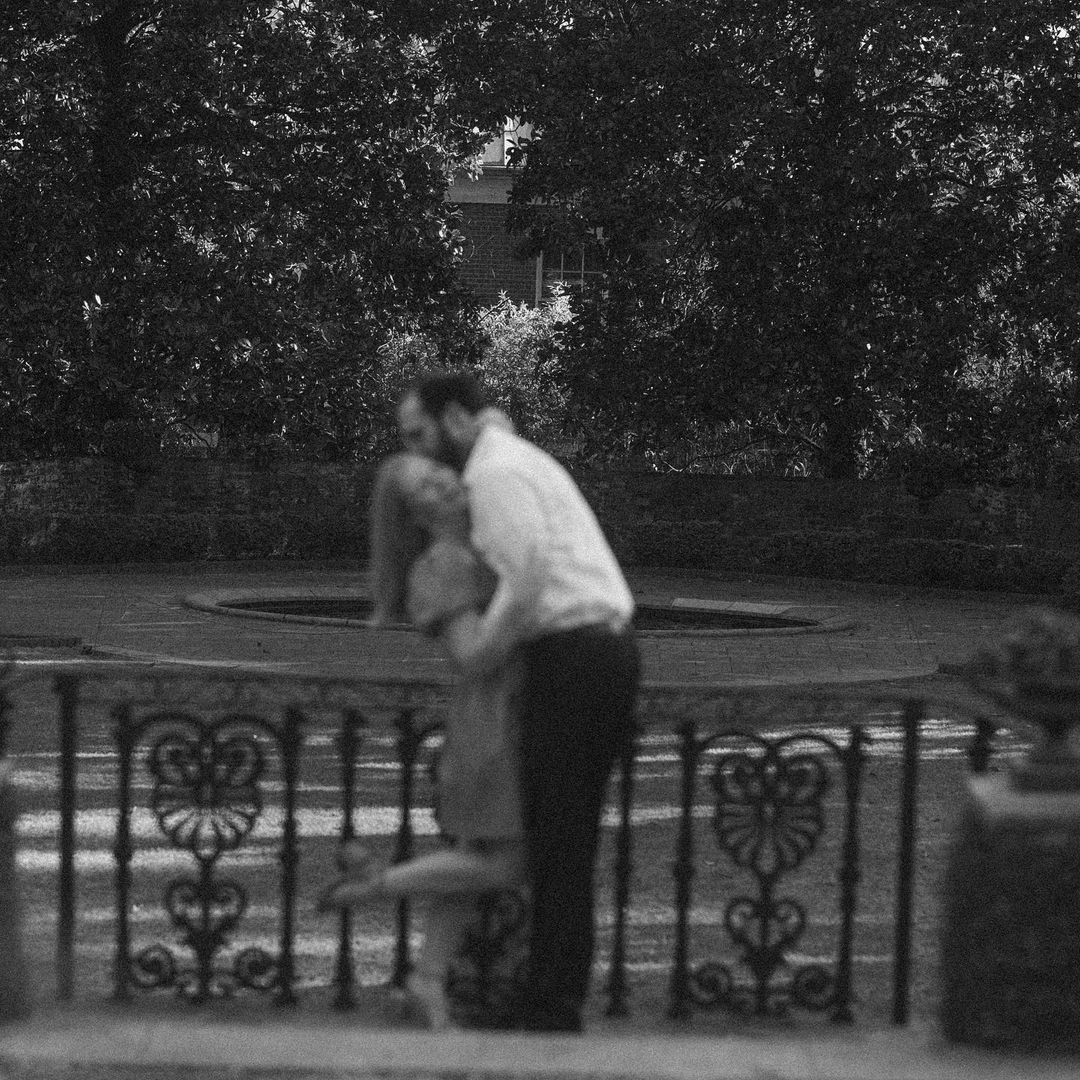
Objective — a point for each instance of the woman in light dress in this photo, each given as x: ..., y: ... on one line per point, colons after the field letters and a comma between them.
x: 424, y: 566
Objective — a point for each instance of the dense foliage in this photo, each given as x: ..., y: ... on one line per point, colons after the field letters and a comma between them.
x: 850, y: 224
x: 512, y: 352
x: 213, y: 216
x: 837, y: 237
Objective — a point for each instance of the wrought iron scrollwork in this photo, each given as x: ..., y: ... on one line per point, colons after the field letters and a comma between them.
x: 489, y: 969
x: 769, y: 807
x: 206, y: 793
x: 207, y: 799
x: 209, y: 802
x: 768, y: 818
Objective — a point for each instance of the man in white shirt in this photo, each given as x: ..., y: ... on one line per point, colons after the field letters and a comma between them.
x: 563, y: 606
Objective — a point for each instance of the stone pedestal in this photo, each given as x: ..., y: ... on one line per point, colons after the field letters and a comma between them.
x: 15, y: 999
x: 1011, y: 918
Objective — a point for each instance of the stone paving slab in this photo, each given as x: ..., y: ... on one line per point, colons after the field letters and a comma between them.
x: 86, y: 1039
x: 692, y: 603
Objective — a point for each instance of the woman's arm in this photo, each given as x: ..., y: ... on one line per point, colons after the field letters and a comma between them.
x: 460, y: 637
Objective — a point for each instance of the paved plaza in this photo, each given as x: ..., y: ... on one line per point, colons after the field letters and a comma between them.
x: 164, y: 614
x: 146, y: 613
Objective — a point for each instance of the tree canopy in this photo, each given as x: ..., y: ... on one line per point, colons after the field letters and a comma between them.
x: 213, y: 216
x: 854, y: 224
x: 838, y: 216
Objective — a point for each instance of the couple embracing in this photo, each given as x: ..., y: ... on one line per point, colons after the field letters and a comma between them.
x: 484, y: 542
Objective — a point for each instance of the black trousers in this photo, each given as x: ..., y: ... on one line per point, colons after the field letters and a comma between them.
x: 577, y: 718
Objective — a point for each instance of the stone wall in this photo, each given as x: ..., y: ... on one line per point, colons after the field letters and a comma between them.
x: 979, y: 538
x: 92, y: 511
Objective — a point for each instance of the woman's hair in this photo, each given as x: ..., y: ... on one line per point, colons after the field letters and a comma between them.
x: 396, y: 538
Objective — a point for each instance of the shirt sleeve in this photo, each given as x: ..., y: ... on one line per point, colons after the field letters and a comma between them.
x: 508, y: 530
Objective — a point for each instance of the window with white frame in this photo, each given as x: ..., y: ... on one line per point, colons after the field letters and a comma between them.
x: 573, y: 268
x: 495, y: 153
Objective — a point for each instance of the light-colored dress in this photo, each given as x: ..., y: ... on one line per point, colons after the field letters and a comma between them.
x: 478, y: 789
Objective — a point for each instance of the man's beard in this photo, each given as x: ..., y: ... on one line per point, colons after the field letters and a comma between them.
x: 447, y: 452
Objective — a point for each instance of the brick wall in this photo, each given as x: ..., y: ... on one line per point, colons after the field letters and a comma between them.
x: 979, y: 537
x: 92, y: 510
x: 490, y: 266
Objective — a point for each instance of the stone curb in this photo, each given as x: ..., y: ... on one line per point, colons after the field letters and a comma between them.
x: 218, y: 601
x: 138, y: 656
x: 293, y: 1048
x: 39, y: 641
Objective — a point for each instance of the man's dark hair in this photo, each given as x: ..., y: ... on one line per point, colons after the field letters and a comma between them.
x: 439, y: 389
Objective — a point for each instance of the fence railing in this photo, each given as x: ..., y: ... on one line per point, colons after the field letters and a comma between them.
x: 208, y: 764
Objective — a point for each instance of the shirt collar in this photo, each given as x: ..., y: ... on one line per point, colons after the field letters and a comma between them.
x: 485, y: 441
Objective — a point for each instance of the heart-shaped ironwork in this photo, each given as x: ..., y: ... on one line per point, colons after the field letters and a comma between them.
x: 207, y: 911
x: 769, y: 808
x: 206, y: 793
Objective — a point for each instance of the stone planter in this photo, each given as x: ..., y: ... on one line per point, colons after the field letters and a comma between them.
x: 1011, y: 911
x: 1011, y: 943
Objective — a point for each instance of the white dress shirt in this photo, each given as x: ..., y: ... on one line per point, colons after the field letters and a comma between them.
x: 533, y: 527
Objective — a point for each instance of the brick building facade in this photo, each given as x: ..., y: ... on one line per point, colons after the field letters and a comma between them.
x: 491, y: 266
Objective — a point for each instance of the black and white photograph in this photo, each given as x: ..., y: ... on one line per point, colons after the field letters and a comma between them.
x: 539, y: 539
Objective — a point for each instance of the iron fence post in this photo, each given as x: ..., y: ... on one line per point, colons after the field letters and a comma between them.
x: 66, y: 688
x: 290, y: 765
x: 623, y: 870
x: 850, y: 872
x: 348, y: 742
x: 122, y: 850
x: 914, y: 710
x: 408, y: 743
x: 981, y: 746
x: 684, y: 873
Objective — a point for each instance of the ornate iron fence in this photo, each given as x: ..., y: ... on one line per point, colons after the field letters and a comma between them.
x: 208, y: 762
